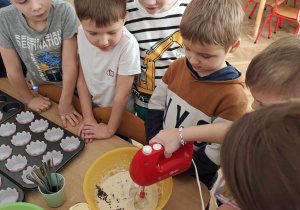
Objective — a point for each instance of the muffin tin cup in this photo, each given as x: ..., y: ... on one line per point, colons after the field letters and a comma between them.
x: 7, y: 183
x: 9, y: 106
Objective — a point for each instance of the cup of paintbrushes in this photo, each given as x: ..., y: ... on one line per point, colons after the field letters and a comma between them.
x: 57, y: 195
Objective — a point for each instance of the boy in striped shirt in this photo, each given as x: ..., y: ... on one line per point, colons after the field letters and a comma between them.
x: 155, y: 25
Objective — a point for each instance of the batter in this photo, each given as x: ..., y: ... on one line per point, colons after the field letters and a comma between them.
x: 119, y: 192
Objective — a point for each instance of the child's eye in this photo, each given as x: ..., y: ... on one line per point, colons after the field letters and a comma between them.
x: 22, y: 2
x: 206, y: 57
x: 187, y: 49
x: 112, y: 33
x: 92, y: 34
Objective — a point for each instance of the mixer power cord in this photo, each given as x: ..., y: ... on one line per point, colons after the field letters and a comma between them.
x: 199, y: 186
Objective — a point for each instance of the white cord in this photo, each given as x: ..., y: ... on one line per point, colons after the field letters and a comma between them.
x: 199, y: 186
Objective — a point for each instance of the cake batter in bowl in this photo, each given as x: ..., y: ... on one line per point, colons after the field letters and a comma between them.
x: 111, y: 163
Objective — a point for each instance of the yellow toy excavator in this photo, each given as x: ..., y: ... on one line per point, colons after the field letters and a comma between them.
x: 145, y: 81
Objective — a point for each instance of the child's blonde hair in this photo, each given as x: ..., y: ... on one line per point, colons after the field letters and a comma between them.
x: 103, y: 12
x: 277, y: 68
x: 260, y: 158
x: 217, y: 22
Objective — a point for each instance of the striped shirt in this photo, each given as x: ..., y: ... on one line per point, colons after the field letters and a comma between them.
x: 160, y: 44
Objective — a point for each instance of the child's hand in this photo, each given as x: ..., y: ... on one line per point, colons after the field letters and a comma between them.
x: 39, y: 104
x: 96, y: 131
x: 169, y: 138
x: 81, y: 134
x: 68, y: 113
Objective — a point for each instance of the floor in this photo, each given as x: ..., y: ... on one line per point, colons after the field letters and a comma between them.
x: 242, y: 57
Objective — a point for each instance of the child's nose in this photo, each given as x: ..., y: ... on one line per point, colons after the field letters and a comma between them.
x: 103, y: 41
x: 193, y: 60
x: 150, y: 2
x: 36, y: 5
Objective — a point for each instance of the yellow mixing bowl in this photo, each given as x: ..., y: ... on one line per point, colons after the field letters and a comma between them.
x: 111, y: 163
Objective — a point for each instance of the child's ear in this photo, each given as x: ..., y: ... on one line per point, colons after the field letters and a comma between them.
x: 125, y: 17
x: 235, y: 46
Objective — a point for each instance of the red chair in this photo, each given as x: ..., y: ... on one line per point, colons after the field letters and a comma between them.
x: 294, y: 3
x: 269, y: 3
x: 282, y: 12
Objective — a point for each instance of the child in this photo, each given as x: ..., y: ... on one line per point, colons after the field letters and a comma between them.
x: 43, y: 34
x: 202, y: 87
x: 278, y: 64
x: 155, y: 25
x: 260, y: 158
x: 5, y: 3
x: 109, y: 59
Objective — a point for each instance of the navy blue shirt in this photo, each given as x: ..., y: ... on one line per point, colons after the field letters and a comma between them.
x: 4, y: 3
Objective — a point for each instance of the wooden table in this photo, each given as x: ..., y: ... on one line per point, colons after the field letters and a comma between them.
x: 185, y: 194
x: 259, y: 16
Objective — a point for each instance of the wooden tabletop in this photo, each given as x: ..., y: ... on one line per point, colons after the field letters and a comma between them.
x: 185, y: 194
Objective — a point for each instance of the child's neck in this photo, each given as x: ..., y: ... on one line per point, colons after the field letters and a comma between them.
x: 206, y: 73
x: 37, y: 26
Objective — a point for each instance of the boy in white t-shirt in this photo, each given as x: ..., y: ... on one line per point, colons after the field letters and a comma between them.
x: 108, y: 61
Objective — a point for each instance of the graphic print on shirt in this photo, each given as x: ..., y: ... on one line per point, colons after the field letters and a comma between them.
x: 145, y: 82
x: 45, y: 53
x: 49, y: 66
x: 110, y: 73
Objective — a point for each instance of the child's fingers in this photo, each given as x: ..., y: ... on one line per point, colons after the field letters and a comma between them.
x: 90, y: 136
x: 46, y: 101
x: 64, y: 121
x: 167, y: 154
x: 70, y: 119
x: 46, y: 98
x: 91, y: 140
x: 86, y: 132
x: 88, y: 127
x: 38, y: 111
x: 79, y: 131
x: 45, y: 106
x: 74, y: 119
x: 86, y: 139
x: 77, y: 114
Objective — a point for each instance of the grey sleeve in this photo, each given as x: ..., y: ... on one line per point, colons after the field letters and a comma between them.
x: 5, y: 37
x: 70, y: 22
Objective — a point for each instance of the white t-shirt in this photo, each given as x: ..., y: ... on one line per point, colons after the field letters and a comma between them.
x: 100, y: 68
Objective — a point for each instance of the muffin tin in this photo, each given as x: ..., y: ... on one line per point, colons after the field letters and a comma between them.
x: 20, y: 145
x: 9, y: 106
x: 6, y: 184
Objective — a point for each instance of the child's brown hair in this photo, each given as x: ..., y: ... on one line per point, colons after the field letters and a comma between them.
x: 276, y: 69
x: 103, y: 12
x: 260, y: 158
x: 217, y: 22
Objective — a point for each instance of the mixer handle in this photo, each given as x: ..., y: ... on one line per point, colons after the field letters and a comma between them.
x: 180, y: 158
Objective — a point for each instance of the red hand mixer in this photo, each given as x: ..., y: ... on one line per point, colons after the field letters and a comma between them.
x: 149, y: 165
